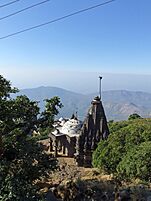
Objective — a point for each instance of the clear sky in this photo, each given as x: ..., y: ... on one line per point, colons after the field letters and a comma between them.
x: 114, y: 38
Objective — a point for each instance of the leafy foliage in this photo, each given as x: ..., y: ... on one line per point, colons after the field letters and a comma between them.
x: 22, y: 163
x: 134, y: 116
x: 126, y: 151
x: 5, y: 88
x: 137, y: 163
x: 22, y: 159
x: 51, y: 110
x: 18, y: 113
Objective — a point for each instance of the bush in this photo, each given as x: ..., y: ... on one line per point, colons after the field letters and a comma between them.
x: 22, y: 163
x: 126, y: 150
x: 137, y: 163
x: 134, y: 116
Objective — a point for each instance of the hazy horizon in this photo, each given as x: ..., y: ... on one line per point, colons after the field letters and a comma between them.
x: 80, y: 82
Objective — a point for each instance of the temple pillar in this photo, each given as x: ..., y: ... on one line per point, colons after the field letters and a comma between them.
x: 56, y: 148
x: 51, y: 145
x: 64, y: 149
x: 87, y: 159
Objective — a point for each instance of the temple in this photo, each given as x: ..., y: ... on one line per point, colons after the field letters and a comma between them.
x: 63, y: 138
x: 73, y: 138
x: 93, y: 130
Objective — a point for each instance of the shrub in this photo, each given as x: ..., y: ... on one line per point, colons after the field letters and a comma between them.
x: 126, y: 151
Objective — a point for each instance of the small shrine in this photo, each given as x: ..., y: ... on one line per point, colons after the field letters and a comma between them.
x: 63, y: 138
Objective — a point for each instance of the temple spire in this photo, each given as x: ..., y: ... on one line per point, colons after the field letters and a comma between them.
x: 100, y: 79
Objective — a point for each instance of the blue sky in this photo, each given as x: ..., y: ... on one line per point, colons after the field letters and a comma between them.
x: 114, y: 39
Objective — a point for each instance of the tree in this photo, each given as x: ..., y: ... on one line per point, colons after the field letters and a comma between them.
x: 136, y: 163
x: 47, y: 117
x: 126, y: 150
x: 22, y: 160
x: 18, y: 113
x: 134, y: 116
x: 5, y: 90
x: 23, y: 163
x: 110, y: 152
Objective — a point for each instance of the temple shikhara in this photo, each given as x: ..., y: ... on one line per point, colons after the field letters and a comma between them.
x: 77, y: 139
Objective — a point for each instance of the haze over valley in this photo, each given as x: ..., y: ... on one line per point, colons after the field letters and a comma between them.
x: 118, y: 104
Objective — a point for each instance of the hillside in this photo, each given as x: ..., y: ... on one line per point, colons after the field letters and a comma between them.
x: 72, y: 101
x: 118, y: 104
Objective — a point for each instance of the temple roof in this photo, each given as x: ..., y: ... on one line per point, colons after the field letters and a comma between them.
x: 96, y: 122
x: 72, y: 126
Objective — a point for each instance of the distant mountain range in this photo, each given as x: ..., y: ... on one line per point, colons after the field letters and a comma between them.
x: 118, y: 104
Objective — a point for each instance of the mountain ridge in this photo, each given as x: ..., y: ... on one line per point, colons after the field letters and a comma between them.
x: 118, y: 104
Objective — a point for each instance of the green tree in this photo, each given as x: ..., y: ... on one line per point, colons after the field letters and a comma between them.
x: 5, y: 90
x: 126, y: 149
x: 134, y: 116
x: 47, y: 117
x: 23, y: 163
x: 22, y: 160
x: 110, y: 152
x: 136, y: 163
x: 18, y: 113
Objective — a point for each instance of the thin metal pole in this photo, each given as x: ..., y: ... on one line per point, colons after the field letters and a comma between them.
x: 100, y: 78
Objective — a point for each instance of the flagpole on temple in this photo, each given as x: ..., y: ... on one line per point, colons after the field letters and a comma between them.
x: 100, y: 78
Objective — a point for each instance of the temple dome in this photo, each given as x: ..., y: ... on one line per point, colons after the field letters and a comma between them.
x: 71, y: 127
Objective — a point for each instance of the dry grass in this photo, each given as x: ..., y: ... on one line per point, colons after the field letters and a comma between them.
x: 91, y: 178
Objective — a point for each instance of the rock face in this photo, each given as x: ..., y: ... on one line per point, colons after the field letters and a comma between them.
x: 93, y: 130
